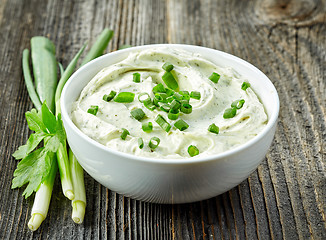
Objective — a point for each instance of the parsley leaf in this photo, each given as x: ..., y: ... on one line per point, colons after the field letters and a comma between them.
x: 48, y: 119
x: 32, y: 142
x: 33, y: 169
x: 36, y: 164
x: 34, y: 121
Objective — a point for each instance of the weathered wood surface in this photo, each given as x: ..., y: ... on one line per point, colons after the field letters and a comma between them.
x: 284, y: 198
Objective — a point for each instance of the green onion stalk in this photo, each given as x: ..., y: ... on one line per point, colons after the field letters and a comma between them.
x: 45, y: 75
x: 79, y: 202
x: 42, y: 198
x: 44, y: 62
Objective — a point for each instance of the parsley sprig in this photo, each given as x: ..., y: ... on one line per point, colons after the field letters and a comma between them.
x: 37, y: 160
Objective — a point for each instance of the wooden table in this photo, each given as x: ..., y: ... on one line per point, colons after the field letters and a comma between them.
x: 284, y: 198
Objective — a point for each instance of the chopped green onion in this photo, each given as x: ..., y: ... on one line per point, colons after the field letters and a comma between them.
x: 161, y: 97
x: 170, y: 81
x: 177, y: 96
x: 154, y: 142
x: 146, y: 100
x: 165, y: 107
x: 136, y: 77
x: 238, y: 104
x: 193, y: 150
x: 230, y: 112
x: 170, y: 99
x: 163, y: 123
x: 156, y: 102
x: 173, y: 114
x: 181, y: 125
x: 184, y: 101
x: 195, y: 95
x: 124, y: 97
x: 186, y: 97
x: 186, y: 108
x: 149, y: 105
x: 159, y: 88
x: 213, y: 128
x: 110, y: 96
x: 175, y: 105
x: 169, y: 91
x: 93, y: 110
x: 167, y: 67
x: 124, y: 134
x: 147, y: 127
x: 140, y: 143
x: 138, y: 114
x: 245, y: 85
x: 184, y: 93
x: 214, y: 77
x: 144, y: 97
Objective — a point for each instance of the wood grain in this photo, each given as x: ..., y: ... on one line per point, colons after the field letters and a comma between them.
x: 284, y: 199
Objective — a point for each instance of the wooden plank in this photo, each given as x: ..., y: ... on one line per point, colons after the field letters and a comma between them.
x: 284, y: 199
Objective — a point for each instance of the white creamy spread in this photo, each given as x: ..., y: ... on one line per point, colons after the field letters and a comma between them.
x: 192, y: 74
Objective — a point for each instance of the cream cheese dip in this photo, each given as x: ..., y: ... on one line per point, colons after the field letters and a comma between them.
x: 192, y: 73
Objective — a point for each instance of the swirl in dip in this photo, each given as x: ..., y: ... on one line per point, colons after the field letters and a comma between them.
x: 192, y: 73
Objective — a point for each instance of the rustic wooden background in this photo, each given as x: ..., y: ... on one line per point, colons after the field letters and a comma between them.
x: 284, y: 199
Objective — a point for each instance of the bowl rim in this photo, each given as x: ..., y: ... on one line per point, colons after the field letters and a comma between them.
x: 200, y: 159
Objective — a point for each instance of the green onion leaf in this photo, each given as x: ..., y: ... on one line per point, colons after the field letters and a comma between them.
x: 181, y: 125
x: 137, y: 113
x: 136, y: 77
x: 140, y: 143
x: 147, y: 127
x: 193, y: 150
x: 238, y: 104
x: 245, y: 85
x: 163, y: 123
x: 99, y: 46
x: 93, y: 110
x: 214, y: 77
x: 29, y: 80
x: 195, y: 95
x: 110, y: 96
x: 170, y: 81
x: 44, y: 70
x: 229, y: 112
x: 186, y: 108
x: 124, y: 134
x: 154, y: 142
x: 167, y: 67
x: 124, y: 97
x: 213, y: 128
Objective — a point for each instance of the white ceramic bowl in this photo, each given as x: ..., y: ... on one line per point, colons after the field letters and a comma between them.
x: 170, y: 180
